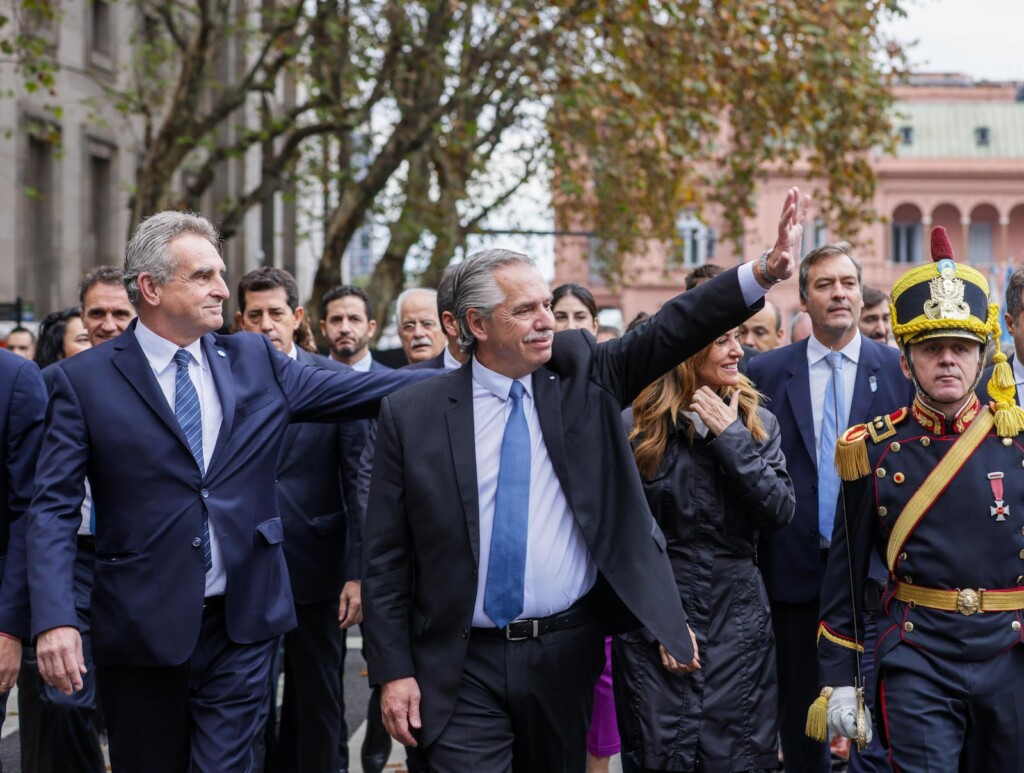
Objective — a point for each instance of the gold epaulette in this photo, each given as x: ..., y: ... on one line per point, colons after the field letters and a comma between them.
x: 851, y: 450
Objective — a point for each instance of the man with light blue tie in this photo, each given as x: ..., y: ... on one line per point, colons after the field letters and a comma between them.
x: 816, y: 388
x: 509, y: 529
x: 179, y: 431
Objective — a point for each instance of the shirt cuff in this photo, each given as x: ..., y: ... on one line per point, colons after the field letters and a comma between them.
x: 749, y: 286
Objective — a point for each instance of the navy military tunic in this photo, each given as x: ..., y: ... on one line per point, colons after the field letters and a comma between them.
x: 972, y: 537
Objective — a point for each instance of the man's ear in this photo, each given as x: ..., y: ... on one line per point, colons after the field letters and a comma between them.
x: 299, y: 313
x: 476, y: 324
x: 450, y: 324
x: 149, y: 289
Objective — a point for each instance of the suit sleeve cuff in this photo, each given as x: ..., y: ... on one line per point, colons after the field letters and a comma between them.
x: 749, y: 286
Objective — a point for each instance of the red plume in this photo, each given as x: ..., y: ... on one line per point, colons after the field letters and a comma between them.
x: 941, y: 248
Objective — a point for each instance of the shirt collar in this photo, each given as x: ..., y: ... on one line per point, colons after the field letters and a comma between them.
x: 160, y: 352
x: 817, y: 351
x: 294, y: 353
x: 699, y: 426
x: 497, y: 384
x: 449, y: 360
x: 363, y: 363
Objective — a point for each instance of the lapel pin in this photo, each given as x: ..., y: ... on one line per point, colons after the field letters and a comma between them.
x: 551, y: 378
x: 873, y: 383
x: 220, y: 353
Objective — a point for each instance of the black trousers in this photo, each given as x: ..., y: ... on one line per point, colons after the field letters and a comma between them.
x: 313, y: 706
x: 203, y: 715
x: 523, y: 706
x: 796, y: 656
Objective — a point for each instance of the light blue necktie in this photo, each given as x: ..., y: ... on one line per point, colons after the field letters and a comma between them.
x: 506, y: 570
x: 832, y: 423
x: 189, y: 414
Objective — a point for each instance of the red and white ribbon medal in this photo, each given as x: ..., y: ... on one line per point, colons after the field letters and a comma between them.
x: 1000, y: 509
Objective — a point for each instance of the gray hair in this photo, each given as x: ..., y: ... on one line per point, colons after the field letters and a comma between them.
x: 812, y: 257
x: 405, y: 294
x: 1014, y: 297
x: 148, y: 252
x: 476, y: 288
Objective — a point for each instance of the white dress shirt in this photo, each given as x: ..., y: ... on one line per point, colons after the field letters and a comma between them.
x: 449, y: 361
x: 363, y: 365
x: 160, y: 354
x: 1018, y: 377
x: 559, y: 569
x: 819, y: 370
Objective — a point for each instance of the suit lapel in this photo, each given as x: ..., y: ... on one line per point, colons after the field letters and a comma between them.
x: 461, y: 441
x: 134, y: 366
x: 549, y: 411
x: 798, y: 391
x: 217, y: 361
x: 292, y: 430
x: 867, y: 373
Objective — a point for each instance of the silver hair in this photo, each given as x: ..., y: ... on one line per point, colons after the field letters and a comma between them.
x: 405, y: 294
x: 148, y: 252
x: 476, y: 288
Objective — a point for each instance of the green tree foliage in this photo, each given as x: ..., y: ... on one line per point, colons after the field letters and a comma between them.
x: 396, y: 110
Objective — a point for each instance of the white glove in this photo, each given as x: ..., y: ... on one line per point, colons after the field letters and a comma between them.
x: 841, y: 716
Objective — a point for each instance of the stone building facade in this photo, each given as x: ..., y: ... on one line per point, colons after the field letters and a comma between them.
x: 959, y: 164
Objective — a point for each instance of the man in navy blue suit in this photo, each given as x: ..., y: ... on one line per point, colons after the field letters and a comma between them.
x: 346, y: 321
x: 316, y: 491
x: 179, y: 431
x: 795, y: 380
x: 22, y: 407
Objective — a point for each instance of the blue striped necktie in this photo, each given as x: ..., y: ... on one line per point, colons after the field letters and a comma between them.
x: 506, y: 568
x: 832, y: 423
x: 189, y: 414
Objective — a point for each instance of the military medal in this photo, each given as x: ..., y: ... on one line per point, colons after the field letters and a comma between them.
x: 1000, y: 509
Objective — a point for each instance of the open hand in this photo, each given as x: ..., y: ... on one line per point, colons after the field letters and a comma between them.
x: 714, y: 411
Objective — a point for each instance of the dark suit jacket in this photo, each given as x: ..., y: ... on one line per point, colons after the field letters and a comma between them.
x: 109, y: 420
x: 790, y: 558
x: 316, y: 492
x: 421, y: 542
x: 22, y: 408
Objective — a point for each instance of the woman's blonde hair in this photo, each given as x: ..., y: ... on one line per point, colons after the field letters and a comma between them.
x: 657, y: 410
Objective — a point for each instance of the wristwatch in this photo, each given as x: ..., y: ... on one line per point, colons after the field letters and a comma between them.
x: 762, y: 264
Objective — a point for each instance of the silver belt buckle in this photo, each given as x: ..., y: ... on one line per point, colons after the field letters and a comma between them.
x: 536, y: 630
x: 968, y: 601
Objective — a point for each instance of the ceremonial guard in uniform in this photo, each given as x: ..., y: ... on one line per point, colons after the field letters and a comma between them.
x: 937, y: 488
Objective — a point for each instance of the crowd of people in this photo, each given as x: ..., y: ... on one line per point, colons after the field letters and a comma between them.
x: 685, y: 543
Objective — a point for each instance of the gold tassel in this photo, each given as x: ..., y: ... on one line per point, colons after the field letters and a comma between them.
x: 817, y: 727
x: 852, y: 459
x: 1002, y: 388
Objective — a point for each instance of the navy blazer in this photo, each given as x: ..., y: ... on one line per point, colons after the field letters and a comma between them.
x: 790, y: 559
x: 316, y: 492
x: 422, y: 531
x: 109, y: 420
x: 22, y: 408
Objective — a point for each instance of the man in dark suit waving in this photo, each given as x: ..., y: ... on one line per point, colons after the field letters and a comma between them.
x: 814, y: 401
x: 509, y: 526
x: 179, y: 431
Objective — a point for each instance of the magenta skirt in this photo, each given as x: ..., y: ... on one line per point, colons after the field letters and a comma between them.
x: 603, y: 738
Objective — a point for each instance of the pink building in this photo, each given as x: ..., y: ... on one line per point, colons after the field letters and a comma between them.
x: 959, y: 164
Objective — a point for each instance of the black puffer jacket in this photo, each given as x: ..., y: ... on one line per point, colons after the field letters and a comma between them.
x: 711, y: 498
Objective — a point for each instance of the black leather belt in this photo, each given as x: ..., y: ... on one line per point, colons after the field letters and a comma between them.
x: 213, y: 603
x: 535, y: 627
